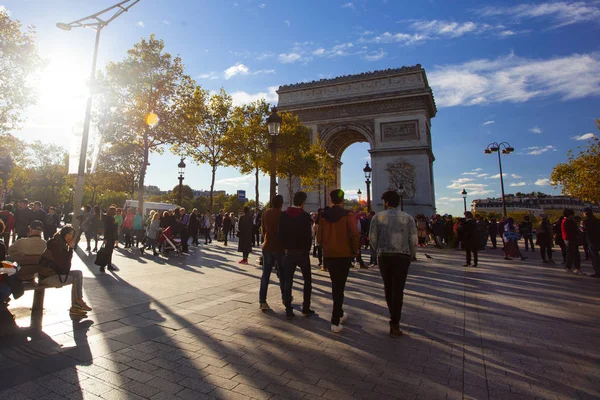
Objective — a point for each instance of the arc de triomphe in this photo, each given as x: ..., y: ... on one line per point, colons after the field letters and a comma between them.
x: 389, y: 109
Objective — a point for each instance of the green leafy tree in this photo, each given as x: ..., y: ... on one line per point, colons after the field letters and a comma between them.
x: 19, y: 61
x: 144, y: 94
x: 579, y: 176
x: 294, y: 156
x: 321, y: 172
x: 248, y: 140
x: 208, y: 120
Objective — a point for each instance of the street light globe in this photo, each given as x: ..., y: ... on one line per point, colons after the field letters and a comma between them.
x: 63, y: 26
x: 464, y: 194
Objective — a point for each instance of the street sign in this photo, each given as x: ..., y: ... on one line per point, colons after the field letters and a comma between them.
x: 241, y: 194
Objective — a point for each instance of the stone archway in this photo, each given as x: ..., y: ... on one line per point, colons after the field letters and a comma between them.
x: 391, y: 110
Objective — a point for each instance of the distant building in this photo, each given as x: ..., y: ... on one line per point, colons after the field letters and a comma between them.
x: 533, y: 205
x: 206, y: 193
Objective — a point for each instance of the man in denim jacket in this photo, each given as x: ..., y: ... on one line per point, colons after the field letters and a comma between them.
x: 393, y: 235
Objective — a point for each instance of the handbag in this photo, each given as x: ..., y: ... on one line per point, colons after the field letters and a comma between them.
x: 102, y: 257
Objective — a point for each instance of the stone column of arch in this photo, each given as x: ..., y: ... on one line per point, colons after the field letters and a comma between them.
x: 392, y: 111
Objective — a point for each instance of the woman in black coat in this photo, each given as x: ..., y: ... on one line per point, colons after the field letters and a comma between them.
x: 110, y: 236
x: 245, y: 235
x: 468, y: 233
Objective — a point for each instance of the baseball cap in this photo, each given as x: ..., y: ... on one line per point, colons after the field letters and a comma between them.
x: 36, y: 225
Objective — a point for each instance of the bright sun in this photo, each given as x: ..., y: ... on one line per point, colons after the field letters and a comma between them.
x: 61, y: 97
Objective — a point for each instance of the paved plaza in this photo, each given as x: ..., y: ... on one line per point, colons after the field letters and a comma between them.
x: 190, y: 328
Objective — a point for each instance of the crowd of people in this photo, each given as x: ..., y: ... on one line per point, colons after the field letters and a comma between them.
x: 472, y: 233
x: 34, y: 238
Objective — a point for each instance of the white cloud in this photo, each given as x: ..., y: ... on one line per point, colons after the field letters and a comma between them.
x: 515, y: 176
x: 287, y: 22
x: 489, y: 123
x: 542, y: 182
x: 241, y: 69
x: 349, y: 5
x: 537, y: 150
x: 469, y: 173
x: 402, y: 38
x: 562, y: 13
x: 262, y: 5
x: 211, y: 75
x: 497, y: 176
x: 140, y: 24
x: 238, y: 180
x: 237, y: 69
x: 288, y: 58
x: 474, y: 189
x: 450, y: 29
x: 478, y: 169
x: 517, y: 184
x: 376, y: 56
x: 319, y: 52
x: 587, y: 136
x: 482, y: 175
x: 536, y: 129
x: 241, y: 97
x: 166, y: 22
x: 515, y: 79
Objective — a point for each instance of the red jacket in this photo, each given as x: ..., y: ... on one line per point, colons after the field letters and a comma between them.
x: 569, y: 229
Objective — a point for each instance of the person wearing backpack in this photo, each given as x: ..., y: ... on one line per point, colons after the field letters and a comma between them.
x: 55, y: 269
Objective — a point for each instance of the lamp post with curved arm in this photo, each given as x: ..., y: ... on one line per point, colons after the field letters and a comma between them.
x: 96, y: 22
x: 504, y: 148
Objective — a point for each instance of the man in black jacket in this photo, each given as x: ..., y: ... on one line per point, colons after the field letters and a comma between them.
x: 591, y: 228
x: 295, y: 235
x: 469, y: 238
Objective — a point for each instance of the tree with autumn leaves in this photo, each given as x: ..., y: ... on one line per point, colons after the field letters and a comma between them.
x: 579, y: 176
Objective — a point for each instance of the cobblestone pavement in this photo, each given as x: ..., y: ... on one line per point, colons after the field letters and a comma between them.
x: 190, y: 328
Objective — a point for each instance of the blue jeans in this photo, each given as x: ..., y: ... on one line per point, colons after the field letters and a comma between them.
x: 270, y: 259
x: 291, y: 261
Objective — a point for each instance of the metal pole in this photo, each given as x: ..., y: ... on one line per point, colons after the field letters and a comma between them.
x: 273, y: 168
x: 465, y: 201
x: 78, y: 199
x: 502, y: 182
x: 368, y: 182
x: 179, y: 197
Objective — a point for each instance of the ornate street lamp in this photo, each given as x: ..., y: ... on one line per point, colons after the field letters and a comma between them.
x: 505, y: 148
x: 367, y: 170
x: 94, y: 22
x: 181, y: 167
x: 359, y: 193
x: 464, y: 195
x: 274, y: 125
x: 401, y: 192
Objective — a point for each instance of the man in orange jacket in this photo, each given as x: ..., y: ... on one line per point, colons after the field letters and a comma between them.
x: 338, y: 235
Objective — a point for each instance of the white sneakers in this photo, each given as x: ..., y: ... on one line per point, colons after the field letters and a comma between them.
x: 340, y: 327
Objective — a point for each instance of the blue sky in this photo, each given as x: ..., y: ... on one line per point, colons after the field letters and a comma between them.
x: 525, y: 73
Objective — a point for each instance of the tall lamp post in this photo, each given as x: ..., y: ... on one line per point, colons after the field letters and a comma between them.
x: 464, y: 195
x: 359, y: 193
x: 181, y: 167
x: 401, y: 191
x: 505, y: 148
x: 367, y: 170
x: 274, y: 125
x: 96, y: 23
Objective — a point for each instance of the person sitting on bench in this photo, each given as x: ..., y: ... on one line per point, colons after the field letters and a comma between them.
x: 55, y: 269
x: 27, y: 251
